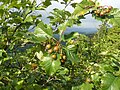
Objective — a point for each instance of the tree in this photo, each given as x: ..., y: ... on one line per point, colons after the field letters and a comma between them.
x: 38, y: 60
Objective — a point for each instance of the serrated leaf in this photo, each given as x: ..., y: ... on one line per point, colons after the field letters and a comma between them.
x: 50, y: 66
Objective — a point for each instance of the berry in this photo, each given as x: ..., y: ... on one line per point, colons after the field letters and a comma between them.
x: 107, y: 11
x: 54, y: 56
x: 64, y: 57
x: 102, y: 14
x: 110, y: 7
x: 50, y: 51
x: 61, y: 54
x: 104, y: 11
x: 62, y: 61
x: 48, y: 46
x: 97, y: 11
x: 56, y: 48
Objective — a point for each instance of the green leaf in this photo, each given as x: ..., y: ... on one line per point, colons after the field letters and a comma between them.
x: 84, y: 86
x: 20, y: 82
x: 43, y: 29
x: 19, y: 85
x: 110, y: 82
x: 1, y: 52
x: 63, y: 71
x: 72, y: 57
x: 66, y: 1
x: 63, y: 26
x: 71, y: 35
x: 115, y: 20
x: 41, y: 33
x: 81, y: 9
x: 106, y: 68
x: 36, y: 38
x: 50, y: 66
x: 28, y: 19
x: 39, y: 55
x: 78, y: 10
x: 47, y: 3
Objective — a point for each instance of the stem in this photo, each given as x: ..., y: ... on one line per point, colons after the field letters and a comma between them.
x: 16, y: 28
x: 72, y: 71
x: 61, y: 34
x: 67, y: 4
x: 49, y: 79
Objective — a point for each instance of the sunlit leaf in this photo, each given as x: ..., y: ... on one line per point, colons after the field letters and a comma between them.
x: 50, y: 65
x: 110, y: 82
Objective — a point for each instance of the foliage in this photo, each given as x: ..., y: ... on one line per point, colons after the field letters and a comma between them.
x: 39, y: 61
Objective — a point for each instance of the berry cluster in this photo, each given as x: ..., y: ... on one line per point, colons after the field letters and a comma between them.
x: 54, y: 51
x: 102, y: 10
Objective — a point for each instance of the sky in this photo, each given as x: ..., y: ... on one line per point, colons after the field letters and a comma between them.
x: 89, y: 22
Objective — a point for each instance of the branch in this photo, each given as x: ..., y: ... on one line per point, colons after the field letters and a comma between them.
x: 67, y: 4
x: 17, y: 28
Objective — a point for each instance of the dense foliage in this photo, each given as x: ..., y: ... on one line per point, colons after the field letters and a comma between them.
x: 39, y: 61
